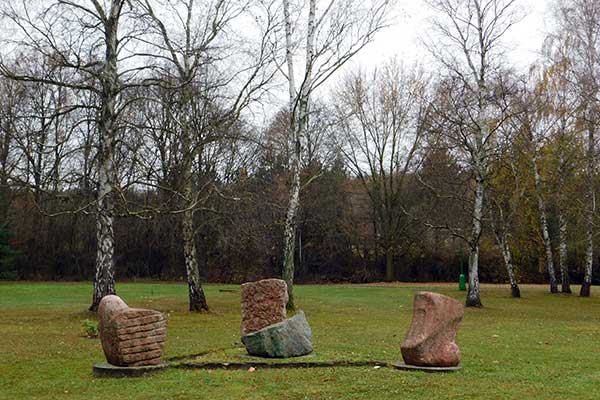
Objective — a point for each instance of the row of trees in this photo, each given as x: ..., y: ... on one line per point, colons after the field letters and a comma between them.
x: 142, y: 117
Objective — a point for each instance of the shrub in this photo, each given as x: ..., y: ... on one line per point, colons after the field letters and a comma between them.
x: 89, y: 328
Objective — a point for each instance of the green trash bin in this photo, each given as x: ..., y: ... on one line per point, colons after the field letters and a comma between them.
x: 462, y: 280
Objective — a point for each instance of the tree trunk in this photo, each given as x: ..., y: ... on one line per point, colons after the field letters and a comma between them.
x: 389, y: 265
x: 589, y: 253
x: 197, y: 298
x: 196, y: 292
x: 481, y: 134
x: 5, y: 146
x: 290, y: 230
x: 562, y: 253
x: 299, y: 104
x: 502, y: 240
x: 589, y: 261
x: 104, y: 282
x: 473, y: 296
x: 544, y: 227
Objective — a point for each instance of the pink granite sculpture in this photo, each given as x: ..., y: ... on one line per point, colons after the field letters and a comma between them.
x: 263, y: 304
x: 131, y: 337
x: 430, y: 341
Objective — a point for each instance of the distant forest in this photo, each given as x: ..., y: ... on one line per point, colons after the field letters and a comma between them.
x: 228, y: 141
x: 239, y: 228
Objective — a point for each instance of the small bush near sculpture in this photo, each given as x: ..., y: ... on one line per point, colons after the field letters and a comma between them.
x: 89, y: 329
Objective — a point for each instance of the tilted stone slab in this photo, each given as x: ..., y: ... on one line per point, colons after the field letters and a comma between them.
x: 289, y: 338
x: 430, y: 341
x: 131, y: 337
x: 263, y: 304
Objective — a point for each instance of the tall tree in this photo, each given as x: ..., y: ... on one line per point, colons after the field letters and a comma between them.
x: 536, y: 127
x: 381, y: 130
x: 195, y: 106
x: 561, y: 104
x: 469, y: 45
x: 579, y: 27
x: 332, y: 33
x: 87, y: 40
x: 12, y: 98
x: 506, y: 190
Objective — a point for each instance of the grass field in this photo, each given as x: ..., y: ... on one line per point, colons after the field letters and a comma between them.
x: 541, y: 346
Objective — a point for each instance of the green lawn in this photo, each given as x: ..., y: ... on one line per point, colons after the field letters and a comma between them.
x: 539, y: 347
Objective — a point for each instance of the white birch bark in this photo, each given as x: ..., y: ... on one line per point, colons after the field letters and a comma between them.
x: 290, y: 222
x: 197, y: 298
x: 502, y: 239
x: 338, y: 42
x: 480, y: 135
x: 589, y: 252
x: 473, y: 29
x: 186, y: 62
x: 473, y: 294
x: 565, y: 286
x: 104, y: 282
x: 299, y: 114
x: 544, y: 224
x: 507, y: 256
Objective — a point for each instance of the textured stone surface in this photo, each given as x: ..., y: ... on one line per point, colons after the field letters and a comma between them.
x: 290, y: 338
x: 263, y: 304
x: 131, y: 337
x: 430, y: 341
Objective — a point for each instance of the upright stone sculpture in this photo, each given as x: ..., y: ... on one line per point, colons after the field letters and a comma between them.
x: 430, y: 341
x: 263, y: 304
x: 131, y: 337
x: 265, y: 331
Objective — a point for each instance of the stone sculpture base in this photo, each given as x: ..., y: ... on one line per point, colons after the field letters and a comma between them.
x: 405, y: 367
x: 104, y: 369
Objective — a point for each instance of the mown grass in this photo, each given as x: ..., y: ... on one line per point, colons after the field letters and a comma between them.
x: 539, y: 347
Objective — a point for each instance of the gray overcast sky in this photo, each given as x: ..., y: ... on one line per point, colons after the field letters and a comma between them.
x: 402, y: 40
x: 523, y: 42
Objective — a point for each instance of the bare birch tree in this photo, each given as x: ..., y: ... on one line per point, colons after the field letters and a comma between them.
x: 563, y: 105
x: 469, y: 45
x: 190, y: 37
x: 506, y: 190
x: 330, y: 34
x: 579, y: 22
x: 86, y: 39
x: 536, y: 120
